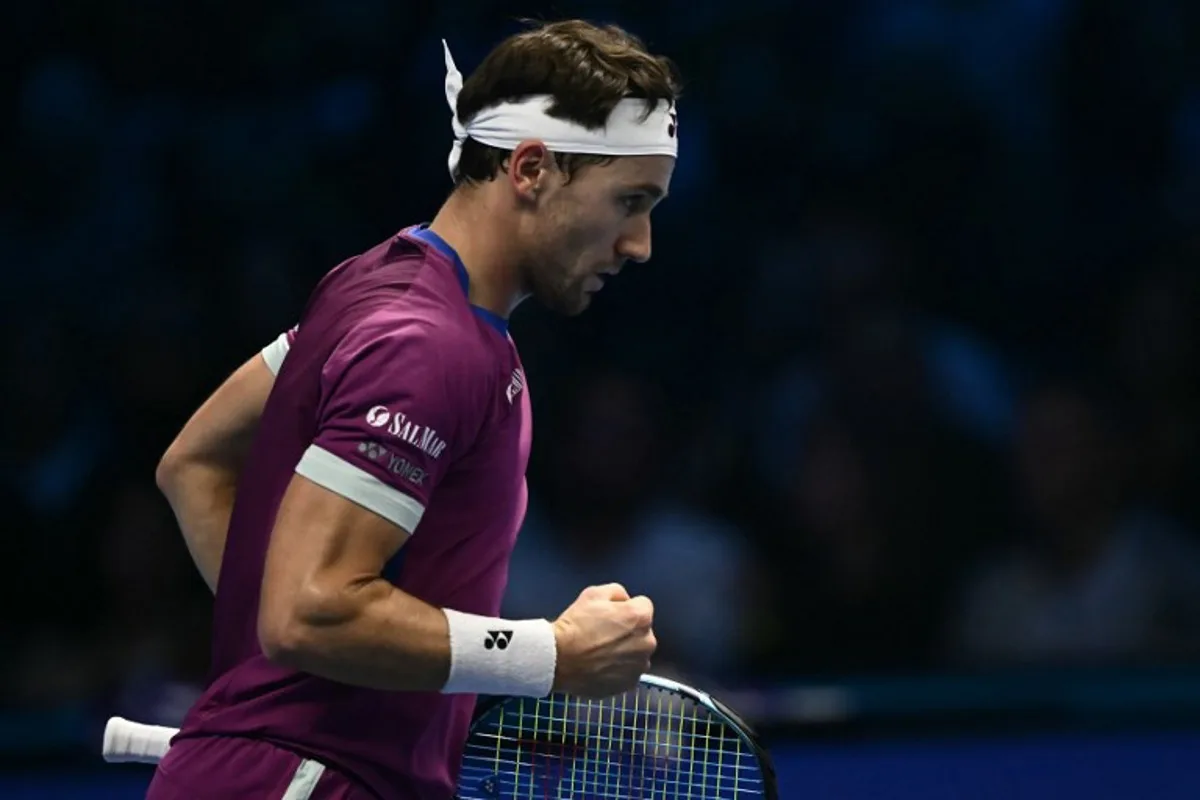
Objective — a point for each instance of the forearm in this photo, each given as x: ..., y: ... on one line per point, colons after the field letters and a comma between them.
x: 371, y: 635
x: 198, y: 474
x: 325, y: 609
x: 201, y: 497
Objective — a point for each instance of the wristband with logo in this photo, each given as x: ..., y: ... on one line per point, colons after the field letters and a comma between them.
x: 500, y: 656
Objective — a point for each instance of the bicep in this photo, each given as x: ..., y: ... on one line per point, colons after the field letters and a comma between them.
x: 322, y: 545
x: 386, y: 432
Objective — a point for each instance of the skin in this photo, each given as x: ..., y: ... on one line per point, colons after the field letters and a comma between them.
x: 199, y: 472
x: 325, y: 609
x: 532, y: 232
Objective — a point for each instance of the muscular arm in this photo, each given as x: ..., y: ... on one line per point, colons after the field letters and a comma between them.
x: 198, y: 474
x: 326, y: 610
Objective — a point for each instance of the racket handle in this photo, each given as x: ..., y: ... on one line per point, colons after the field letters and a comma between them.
x: 134, y: 742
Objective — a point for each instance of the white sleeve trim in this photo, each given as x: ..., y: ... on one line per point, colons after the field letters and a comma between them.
x: 275, y: 352
x: 341, y: 477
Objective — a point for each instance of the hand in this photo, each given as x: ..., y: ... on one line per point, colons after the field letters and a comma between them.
x: 605, y: 640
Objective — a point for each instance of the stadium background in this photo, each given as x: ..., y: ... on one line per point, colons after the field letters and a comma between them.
x: 900, y: 427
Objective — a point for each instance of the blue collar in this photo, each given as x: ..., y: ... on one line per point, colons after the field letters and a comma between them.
x: 430, y: 238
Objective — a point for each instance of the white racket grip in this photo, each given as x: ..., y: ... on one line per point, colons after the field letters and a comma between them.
x: 134, y: 742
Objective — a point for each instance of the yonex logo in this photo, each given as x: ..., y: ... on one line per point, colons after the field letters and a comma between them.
x: 372, y: 450
x: 673, y: 125
x: 498, y: 640
x: 491, y: 785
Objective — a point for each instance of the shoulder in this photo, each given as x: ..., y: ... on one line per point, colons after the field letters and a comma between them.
x: 407, y: 335
x: 405, y: 365
x: 394, y: 274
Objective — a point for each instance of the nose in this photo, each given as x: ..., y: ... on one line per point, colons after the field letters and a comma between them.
x: 634, y: 243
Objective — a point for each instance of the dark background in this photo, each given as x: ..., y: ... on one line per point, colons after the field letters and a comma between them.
x: 900, y: 427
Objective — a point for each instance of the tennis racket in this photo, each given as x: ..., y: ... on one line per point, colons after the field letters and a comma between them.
x: 662, y: 741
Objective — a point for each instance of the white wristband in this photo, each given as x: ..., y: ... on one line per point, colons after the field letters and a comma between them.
x: 500, y: 656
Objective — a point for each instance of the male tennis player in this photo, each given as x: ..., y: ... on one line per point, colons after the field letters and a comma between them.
x: 369, y: 467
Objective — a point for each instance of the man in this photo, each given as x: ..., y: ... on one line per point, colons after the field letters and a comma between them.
x: 369, y: 466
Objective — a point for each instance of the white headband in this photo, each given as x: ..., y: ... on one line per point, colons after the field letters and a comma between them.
x: 628, y: 132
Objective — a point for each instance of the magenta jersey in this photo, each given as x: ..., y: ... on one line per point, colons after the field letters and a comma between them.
x: 396, y: 393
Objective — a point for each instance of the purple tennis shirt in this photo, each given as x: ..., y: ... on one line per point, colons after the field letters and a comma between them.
x: 396, y: 393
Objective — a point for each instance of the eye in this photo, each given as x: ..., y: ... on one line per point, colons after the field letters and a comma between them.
x: 636, y: 203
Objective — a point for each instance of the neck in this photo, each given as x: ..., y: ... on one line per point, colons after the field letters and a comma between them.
x: 471, y: 225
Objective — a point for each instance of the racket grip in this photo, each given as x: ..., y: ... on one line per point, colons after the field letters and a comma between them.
x: 134, y: 742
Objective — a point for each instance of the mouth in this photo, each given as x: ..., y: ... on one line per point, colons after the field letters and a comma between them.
x: 596, y: 281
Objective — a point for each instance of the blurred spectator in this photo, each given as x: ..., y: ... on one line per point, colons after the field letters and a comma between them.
x: 864, y: 554
x: 834, y: 306
x: 1092, y: 578
x: 56, y: 426
x: 1158, y: 356
x: 21, y: 589
x: 602, y: 517
x: 152, y: 640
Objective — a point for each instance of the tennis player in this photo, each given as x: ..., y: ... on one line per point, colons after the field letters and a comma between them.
x: 368, y: 467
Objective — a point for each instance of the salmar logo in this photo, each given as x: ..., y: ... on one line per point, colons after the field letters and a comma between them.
x: 397, y: 423
x: 378, y: 416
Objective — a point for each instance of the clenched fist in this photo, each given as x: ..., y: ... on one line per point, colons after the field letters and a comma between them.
x: 605, y: 641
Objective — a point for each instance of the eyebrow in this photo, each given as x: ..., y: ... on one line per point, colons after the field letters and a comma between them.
x: 655, y: 191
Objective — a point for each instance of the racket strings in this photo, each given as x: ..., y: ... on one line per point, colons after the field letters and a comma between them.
x: 648, y: 745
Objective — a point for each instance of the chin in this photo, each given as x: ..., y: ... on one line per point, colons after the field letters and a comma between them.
x: 582, y: 302
x: 570, y: 304
x: 572, y: 308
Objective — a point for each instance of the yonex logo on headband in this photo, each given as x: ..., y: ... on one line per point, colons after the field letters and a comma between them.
x: 630, y: 131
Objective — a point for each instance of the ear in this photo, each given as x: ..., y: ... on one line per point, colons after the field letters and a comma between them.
x: 530, y: 169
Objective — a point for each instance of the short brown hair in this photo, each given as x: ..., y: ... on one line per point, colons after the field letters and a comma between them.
x: 586, y: 68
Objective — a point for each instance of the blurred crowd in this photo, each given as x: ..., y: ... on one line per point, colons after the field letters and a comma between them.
x: 911, y: 383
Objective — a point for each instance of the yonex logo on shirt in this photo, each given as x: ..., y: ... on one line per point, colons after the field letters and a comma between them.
x: 407, y: 470
x: 497, y: 639
x: 372, y: 450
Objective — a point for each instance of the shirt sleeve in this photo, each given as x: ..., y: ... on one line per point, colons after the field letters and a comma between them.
x: 397, y: 407
x: 277, y: 351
